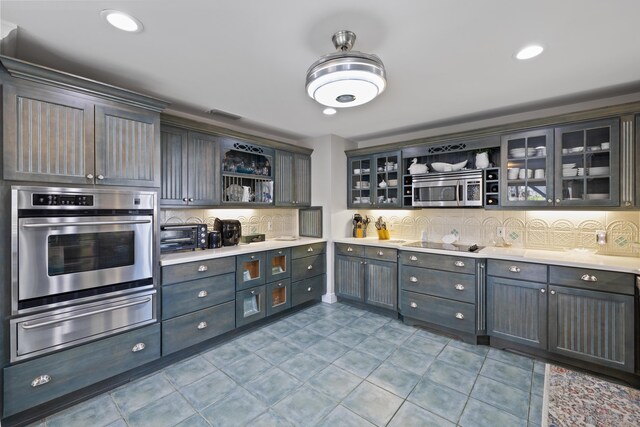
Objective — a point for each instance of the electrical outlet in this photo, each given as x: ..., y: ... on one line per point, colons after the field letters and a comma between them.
x: 500, y: 232
x: 269, y: 226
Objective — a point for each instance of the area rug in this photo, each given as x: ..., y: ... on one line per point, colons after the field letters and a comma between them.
x: 574, y: 399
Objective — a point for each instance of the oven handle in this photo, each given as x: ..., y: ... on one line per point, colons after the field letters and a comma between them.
x: 460, y: 191
x: 27, y: 325
x: 88, y: 223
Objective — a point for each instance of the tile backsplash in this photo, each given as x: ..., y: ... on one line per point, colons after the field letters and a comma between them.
x: 555, y: 230
x: 271, y: 222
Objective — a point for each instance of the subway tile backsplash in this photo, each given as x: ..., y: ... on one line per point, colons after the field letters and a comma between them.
x: 271, y: 222
x: 555, y: 230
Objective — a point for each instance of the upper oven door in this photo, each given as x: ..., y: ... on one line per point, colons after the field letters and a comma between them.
x: 65, y: 254
x: 439, y: 193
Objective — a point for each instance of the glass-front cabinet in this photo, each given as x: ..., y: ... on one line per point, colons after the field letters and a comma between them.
x: 247, y: 173
x: 375, y: 181
x: 250, y: 270
x: 527, y: 179
x: 587, y: 164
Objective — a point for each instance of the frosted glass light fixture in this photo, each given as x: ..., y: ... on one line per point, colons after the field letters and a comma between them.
x: 122, y: 21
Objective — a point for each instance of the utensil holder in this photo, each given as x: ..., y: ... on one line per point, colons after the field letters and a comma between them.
x: 383, y: 235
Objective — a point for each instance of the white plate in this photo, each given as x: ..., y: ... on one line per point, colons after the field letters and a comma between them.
x: 287, y: 239
x: 597, y: 196
x: 449, y: 239
x: 603, y: 170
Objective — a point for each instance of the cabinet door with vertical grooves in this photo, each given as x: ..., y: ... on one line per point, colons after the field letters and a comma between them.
x: 381, y: 284
x: 592, y: 326
x: 349, y: 277
x: 517, y: 311
x: 284, y: 178
x: 302, y: 165
x: 203, y: 187
x: 174, y: 166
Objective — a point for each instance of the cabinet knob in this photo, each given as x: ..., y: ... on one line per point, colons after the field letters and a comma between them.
x: 413, y: 279
x: 309, y: 249
x: 459, y: 287
x: 309, y: 289
x: 553, y: 292
x: 280, y: 285
x: 380, y: 253
x: 588, y: 278
x: 413, y: 258
x: 549, y: 200
x: 459, y: 316
x: 349, y: 249
x: 253, y: 292
x: 459, y: 264
x: 557, y: 200
x: 100, y: 177
x: 89, y: 176
x: 279, y: 252
x: 309, y: 267
x: 202, y: 294
x: 191, y: 199
x: 202, y: 325
x: 413, y: 304
x: 184, y: 199
x: 542, y: 291
x: 41, y: 380
x: 627, y: 203
x: 202, y: 268
x: 138, y: 347
x: 252, y: 257
x: 514, y: 269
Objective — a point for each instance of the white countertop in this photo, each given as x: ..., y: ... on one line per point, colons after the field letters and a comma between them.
x: 199, y: 255
x: 562, y: 258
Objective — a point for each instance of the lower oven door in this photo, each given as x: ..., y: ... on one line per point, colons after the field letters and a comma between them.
x: 45, y: 332
x: 67, y: 254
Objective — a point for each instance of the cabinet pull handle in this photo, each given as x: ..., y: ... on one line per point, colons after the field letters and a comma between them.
x: 553, y: 292
x: 138, y: 347
x: 100, y: 177
x: 459, y: 264
x: 588, y: 278
x: 253, y: 292
x: 202, y: 294
x: 253, y: 257
x: 309, y: 289
x: 279, y: 252
x: 549, y: 200
x: 413, y: 279
x: 202, y: 325
x: 309, y: 249
x: 184, y: 199
x: 514, y: 269
x: 542, y: 291
x: 459, y: 316
x: 89, y: 176
x: 349, y: 249
x: 413, y: 305
x: 280, y: 285
x: 557, y: 200
x: 191, y: 199
x: 459, y: 287
x: 380, y: 253
x: 41, y: 380
x: 413, y: 258
x: 202, y: 268
x: 309, y: 267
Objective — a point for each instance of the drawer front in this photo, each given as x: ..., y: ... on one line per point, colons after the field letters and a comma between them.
x: 457, y: 264
x: 278, y: 265
x: 383, y: 254
x: 451, y: 314
x: 196, y: 270
x: 79, y: 367
x: 517, y: 270
x: 278, y: 296
x: 598, y: 280
x: 307, y: 250
x: 304, y: 268
x: 307, y: 290
x: 250, y: 305
x: 250, y: 270
x: 185, y: 331
x: 455, y: 286
x: 187, y: 297
x: 349, y: 250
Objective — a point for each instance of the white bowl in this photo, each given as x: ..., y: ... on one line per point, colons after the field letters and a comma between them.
x: 447, y: 167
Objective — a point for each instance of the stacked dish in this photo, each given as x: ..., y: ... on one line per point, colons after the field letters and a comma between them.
x: 580, y: 171
x: 519, y: 153
x: 597, y: 196
x: 604, y: 170
x: 567, y: 172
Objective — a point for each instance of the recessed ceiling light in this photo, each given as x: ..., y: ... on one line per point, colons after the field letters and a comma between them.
x: 122, y: 21
x: 529, y: 52
x: 329, y: 111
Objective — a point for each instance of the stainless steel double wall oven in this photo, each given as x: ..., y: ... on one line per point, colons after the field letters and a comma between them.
x: 82, y: 265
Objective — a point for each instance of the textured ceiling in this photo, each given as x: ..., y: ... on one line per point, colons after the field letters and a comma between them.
x: 444, y: 59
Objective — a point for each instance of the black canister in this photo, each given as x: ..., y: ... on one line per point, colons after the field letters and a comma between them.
x: 215, y: 240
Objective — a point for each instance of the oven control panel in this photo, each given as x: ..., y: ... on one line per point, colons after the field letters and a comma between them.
x: 62, y: 200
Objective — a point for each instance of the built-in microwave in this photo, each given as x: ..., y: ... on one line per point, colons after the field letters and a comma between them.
x: 447, y: 189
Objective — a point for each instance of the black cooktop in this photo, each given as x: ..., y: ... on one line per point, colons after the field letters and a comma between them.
x: 457, y: 247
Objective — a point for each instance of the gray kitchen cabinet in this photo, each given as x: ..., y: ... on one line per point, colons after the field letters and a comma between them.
x: 292, y: 179
x: 250, y: 305
x: 370, y: 276
x: 441, y: 290
x: 517, y: 311
x: 250, y: 270
x: 278, y: 296
x: 56, y: 135
x: 247, y: 173
x: 308, y: 290
x: 375, y: 181
x: 635, y: 175
x: 308, y: 284
x: 40, y: 380
x: 190, y: 168
x: 278, y: 264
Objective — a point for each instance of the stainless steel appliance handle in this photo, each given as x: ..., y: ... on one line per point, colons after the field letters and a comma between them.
x: 27, y: 325
x: 460, y: 188
x: 88, y: 223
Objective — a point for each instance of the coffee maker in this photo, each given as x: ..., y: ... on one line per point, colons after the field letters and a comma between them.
x: 231, y: 232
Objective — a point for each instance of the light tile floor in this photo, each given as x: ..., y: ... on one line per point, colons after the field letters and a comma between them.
x: 328, y: 365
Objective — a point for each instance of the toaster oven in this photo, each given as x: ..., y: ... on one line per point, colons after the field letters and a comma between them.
x: 182, y: 237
